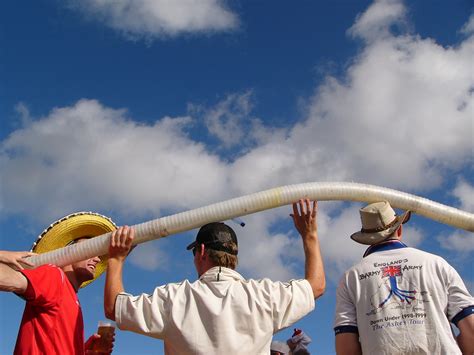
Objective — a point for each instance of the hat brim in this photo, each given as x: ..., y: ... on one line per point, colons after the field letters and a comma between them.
x: 71, y: 227
x: 191, y: 246
x: 377, y: 237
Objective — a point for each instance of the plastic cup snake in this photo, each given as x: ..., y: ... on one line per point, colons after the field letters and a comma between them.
x: 264, y: 200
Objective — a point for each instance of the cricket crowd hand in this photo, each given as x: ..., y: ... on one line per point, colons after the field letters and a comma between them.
x: 92, y: 343
x: 304, y: 217
x: 15, y: 259
x: 121, y: 242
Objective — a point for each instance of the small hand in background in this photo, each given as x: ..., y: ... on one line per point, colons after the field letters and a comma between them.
x: 93, y: 343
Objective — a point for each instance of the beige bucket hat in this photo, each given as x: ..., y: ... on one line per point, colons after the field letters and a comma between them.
x: 379, y: 221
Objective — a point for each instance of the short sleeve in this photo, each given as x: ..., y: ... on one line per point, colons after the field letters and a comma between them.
x: 44, y: 285
x: 346, y: 314
x: 459, y: 299
x: 144, y: 314
x: 291, y: 302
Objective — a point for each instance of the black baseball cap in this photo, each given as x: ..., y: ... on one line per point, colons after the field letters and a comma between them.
x: 214, y: 235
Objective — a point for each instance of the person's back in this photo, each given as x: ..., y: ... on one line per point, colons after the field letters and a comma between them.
x: 401, y: 298
x: 221, y: 313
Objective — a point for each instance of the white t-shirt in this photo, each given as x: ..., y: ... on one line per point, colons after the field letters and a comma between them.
x: 401, y: 300
x: 221, y: 313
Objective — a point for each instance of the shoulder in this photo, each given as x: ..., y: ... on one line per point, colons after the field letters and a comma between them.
x: 44, y: 284
x: 44, y: 270
x: 46, y: 277
x: 271, y: 286
x: 173, y: 288
x: 429, y: 257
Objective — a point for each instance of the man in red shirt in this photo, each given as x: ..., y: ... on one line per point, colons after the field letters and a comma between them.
x: 52, y: 321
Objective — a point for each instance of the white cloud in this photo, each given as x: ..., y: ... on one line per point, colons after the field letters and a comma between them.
x: 412, y: 236
x: 400, y: 117
x: 338, y: 249
x: 89, y: 155
x: 377, y: 20
x: 228, y: 119
x: 397, y: 119
x: 24, y: 113
x: 232, y: 123
x: 158, y: 18
x: 465, y: 193
x: 468, y: 27
x: 459, y: 241
x: 261, y: 252
x: 149, y: 257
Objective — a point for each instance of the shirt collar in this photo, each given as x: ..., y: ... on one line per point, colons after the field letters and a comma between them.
x: 387, y: 245
x: 220, y: 273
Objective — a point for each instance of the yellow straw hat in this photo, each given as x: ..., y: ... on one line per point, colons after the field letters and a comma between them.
x: 72, y: 227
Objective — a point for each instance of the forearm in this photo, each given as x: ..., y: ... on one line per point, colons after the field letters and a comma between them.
x: 113, y: 286
x: 304, y: 218
x: 314, y: 267
x: 11, y: 280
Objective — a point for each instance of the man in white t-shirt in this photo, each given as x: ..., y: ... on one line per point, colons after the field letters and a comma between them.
x: 400, y: 300
x: 221, y: 312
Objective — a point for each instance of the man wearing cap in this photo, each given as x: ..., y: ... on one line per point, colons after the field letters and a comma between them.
x: 52, y: 322
x: 221, y: 313
x: 400, y: 300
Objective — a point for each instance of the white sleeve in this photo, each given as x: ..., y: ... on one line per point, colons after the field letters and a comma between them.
x: 346, y: 313
x: 143, y: 314
x: 459, y: 298
x: 291, y: 302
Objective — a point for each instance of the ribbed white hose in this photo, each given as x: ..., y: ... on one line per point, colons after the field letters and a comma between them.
x: 276, y: 197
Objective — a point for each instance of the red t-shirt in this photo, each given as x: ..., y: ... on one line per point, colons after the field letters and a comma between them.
x: 52, y: 321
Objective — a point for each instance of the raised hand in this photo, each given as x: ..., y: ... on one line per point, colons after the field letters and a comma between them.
x: 304, y: 217
x: 121, y: 242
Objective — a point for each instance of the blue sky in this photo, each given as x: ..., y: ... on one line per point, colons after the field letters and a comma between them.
x: 164, y: 106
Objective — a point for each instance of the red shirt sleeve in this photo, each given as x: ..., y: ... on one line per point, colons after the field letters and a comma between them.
x: 44, y: 284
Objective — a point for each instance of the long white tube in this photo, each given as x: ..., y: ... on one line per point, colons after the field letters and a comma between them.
x: 276, y: 197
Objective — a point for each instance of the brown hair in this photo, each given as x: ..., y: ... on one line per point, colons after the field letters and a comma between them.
x: 221, y: 258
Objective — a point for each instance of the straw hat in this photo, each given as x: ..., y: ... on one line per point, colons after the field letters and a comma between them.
x: 71, y: 227
x: 379, y: 221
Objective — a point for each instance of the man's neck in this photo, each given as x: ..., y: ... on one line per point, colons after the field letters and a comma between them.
x: 71, y: 276
x: 207, y: 265
x: 385, y: 245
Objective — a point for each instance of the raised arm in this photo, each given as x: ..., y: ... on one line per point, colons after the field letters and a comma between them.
x: 10, y: 279
x: 304, y: 217
x: 120, y: 245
